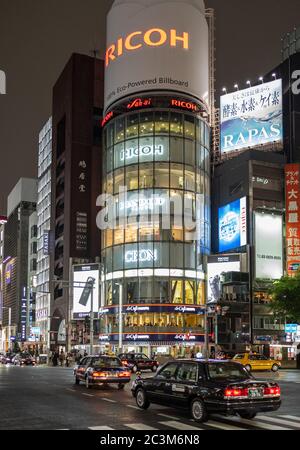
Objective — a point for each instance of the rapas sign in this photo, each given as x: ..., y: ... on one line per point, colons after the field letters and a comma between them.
x: 252, y: 117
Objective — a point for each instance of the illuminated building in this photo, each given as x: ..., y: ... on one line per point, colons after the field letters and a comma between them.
x: 157, y: 147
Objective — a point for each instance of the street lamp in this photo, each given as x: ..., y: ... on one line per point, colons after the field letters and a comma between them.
x: 249, y: 83
x: 236, y: 86
x: 274, y: 76
x: 261, y: 79
x: 9, y: 325
x: 224, y: 90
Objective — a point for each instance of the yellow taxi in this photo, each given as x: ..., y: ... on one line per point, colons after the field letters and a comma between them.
x: 255, y: 361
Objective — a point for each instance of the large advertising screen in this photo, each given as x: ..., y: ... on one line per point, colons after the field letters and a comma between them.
x: 216, y: 266
x: 251, y: 117
x: 268, y: 246
x: 233, y: 225
x: 83, y: 276
x: 156, y: 45
x: 292, y: 201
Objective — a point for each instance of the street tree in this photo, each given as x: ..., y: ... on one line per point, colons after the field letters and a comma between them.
x: 285, y: 295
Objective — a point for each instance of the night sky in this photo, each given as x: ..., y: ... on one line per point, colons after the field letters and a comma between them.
x: 37, y: 38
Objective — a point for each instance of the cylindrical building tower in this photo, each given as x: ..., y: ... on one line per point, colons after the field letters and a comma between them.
x: 156, y: 174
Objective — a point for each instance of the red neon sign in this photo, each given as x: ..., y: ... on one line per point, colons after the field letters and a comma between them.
x: 139, y: 103
x: 184, y: 105
x: 107, y: 118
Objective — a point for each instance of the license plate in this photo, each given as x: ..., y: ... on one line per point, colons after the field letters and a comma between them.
x: 255, y: 393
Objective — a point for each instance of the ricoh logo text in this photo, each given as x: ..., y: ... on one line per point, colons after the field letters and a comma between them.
x: 2, y: 83
x: 155, y: 37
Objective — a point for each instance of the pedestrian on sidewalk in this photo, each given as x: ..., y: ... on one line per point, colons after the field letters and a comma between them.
x: 62, y: 357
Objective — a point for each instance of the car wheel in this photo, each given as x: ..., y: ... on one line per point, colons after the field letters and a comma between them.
x: 87, y: 383
x: 198, y: 410
x: 135, y: 369
x: 141, y: 399
x: 248, y: 367
x: 275, y: 368
x: 77, y: 381
x: 154, y: 368
x: 247, y: 415
x: 121, y: 386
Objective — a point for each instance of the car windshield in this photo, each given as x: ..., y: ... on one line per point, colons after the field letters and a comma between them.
x: 109, y: 363
x: 227, y: 371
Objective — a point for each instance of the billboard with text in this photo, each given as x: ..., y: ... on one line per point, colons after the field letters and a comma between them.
x: 233, y: 225
x: 251, y: 117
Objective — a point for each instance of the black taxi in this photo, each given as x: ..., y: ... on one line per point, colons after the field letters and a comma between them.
x: 206, y: 387
x: 100, y: 370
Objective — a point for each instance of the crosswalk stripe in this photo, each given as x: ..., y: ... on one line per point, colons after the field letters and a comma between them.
x: 179, y: 425
x: 223, y: 426
x: 168, y: 417
x: 104, y: 427
x: 139, y: 426
x: 88, y: 395
x: 108, y: 400
x: 280, y: 421
x: 290, y: 417
x: 133, y: 407
x: 256, y: 424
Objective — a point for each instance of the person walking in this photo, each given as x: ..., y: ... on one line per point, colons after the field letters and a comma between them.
x: 62, y: 357
x: 55, y: 358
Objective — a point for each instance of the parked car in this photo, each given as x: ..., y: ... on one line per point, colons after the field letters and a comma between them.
x: 138, y: 361
x: 255, y: 361
x: 23, y: 359
x: 93, y: 370
x: 207, y: 386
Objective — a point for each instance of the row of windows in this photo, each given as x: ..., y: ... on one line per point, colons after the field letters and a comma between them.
x: 153, y: 255
x: 268, y: 323
x: 156, y: 123
x: 153, y: 320
x: 147, y: 176
x: 155, y: 291
x: 143, y: 150
x: 132, y: 233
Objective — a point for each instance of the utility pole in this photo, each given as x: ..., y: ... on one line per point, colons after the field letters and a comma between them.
x: 92, y: 282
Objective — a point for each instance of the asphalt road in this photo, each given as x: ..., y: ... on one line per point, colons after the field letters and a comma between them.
x: 45, y: 398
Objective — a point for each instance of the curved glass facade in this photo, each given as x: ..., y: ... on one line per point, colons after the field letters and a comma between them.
x: 156, y: 171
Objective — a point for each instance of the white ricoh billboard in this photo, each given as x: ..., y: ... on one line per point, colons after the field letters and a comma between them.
x: 251, y: 117
x: 83, y: 276
x: 156, y: 45
x: 268, y: 246
x: 216, y: 266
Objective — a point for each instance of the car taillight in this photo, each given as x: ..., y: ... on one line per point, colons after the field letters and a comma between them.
x: 124, y: 374
x: 99, y: 374
x: 273, y: 391
x: 235, y: 392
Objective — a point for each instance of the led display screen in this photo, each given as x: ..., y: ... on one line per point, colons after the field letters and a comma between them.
x: 233, y: 225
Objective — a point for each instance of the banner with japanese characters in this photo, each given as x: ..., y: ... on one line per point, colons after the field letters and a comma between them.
x: 292, y: 194
x: 251, y: 117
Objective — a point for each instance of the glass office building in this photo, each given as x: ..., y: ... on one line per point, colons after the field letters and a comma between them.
x: 156, y: 174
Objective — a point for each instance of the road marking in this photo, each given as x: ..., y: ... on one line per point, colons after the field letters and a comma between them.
x: 290, y: 417
x: 71, y: 390
x: 179, y: 425
x: 63, y: 429
x: 139, y: 426
x: 280, y: 421
x: 255, y: 423
x: 133, y: 407
x: 223, y: 426
x: 168, y: 417
x: 88, y: 395
x: 104, y: 427
x: 109, y: 400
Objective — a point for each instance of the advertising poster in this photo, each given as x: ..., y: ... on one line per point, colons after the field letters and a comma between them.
x: 268, y: 246
x: 83, y: 276
x: 216, y: 266
x: 233, y: 225
x: 292, y: 193
x: 251, y: 117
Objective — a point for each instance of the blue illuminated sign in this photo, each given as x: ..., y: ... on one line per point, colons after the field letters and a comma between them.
x: 291, y: 328
x: 233, y: 225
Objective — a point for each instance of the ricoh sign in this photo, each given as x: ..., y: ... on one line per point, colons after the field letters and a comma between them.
x: 156, y: 45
